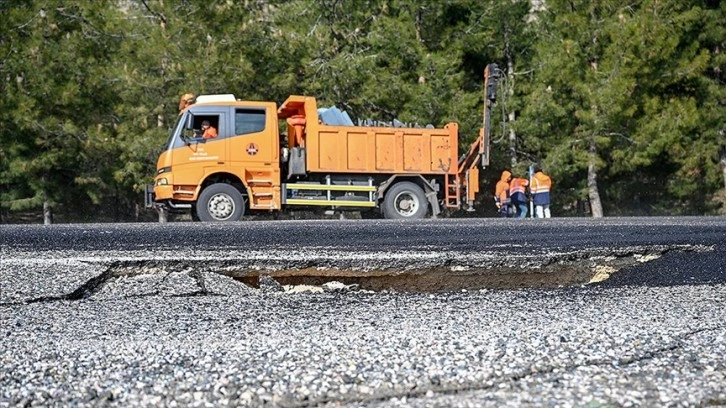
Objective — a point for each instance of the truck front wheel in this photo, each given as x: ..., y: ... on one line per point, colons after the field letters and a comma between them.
x: 220, y: 202
x: 405, y: 200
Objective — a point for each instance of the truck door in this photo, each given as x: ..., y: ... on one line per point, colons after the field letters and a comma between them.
x: 255, y: 142
x: 254, y: 154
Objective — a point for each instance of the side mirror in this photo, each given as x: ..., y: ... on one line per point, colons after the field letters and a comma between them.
x: 193, y: 139
x: 189, y: 121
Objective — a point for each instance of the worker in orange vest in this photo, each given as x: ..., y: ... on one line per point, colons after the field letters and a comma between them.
x: 541, y: 184
x: 501, y: 194
x: 518, y: 195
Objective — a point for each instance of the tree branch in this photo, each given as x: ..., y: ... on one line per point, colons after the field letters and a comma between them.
x: 29, y: 21
x: 158, y: 15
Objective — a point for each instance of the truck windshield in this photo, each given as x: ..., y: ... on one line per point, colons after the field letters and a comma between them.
x: 176, y: 130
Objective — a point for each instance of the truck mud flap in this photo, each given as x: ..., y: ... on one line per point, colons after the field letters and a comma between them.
x: 296, y: 164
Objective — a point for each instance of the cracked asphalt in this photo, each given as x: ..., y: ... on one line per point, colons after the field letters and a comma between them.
x: 147, y: 314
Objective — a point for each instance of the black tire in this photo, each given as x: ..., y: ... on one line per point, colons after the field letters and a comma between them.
x: 405, y: 201
x: 220, y: 202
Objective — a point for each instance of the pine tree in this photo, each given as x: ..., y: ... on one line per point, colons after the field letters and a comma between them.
x: 668, y: 148
x: 55, y: 99
x: 622, y: 102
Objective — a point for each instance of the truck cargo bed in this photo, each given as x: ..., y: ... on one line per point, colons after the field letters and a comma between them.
x: 353, y: 149
x: 362, y: 149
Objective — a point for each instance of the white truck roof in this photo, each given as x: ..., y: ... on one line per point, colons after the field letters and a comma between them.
x: 215, y: 98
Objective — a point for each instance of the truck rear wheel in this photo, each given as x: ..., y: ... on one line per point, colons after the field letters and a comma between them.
x: 405, y: 200
x: 220, y: 202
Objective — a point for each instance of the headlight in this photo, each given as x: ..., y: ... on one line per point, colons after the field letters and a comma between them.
x: 163, y: 170
x: 162, y: 182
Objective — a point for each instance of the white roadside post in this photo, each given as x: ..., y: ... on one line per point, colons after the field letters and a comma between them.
x: 531, y: 200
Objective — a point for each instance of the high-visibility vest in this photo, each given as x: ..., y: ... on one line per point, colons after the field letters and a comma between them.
x: 502, y: 191
x: 517, y: 189
x: 541, y: 184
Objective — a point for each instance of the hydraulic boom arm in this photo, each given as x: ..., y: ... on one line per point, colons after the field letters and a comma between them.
x: 479, y: 150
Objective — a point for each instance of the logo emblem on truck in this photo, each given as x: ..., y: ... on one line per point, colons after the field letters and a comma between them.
x: 252, y: 149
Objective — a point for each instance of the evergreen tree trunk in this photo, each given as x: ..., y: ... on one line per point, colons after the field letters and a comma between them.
x: 47, y: 207
x: 592, y: 190
x: 47, y: 213
x: 512, y: 115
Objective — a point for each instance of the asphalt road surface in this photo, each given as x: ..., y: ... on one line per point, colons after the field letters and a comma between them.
x: 465, y: 312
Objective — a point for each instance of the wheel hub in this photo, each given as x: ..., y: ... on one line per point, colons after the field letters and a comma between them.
x: 221, y: 207
x: 406, y: 204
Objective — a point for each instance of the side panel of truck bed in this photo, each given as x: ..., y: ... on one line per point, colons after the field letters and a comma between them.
x: 351, y: 149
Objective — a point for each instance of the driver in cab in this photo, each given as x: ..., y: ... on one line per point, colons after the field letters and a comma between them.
x: 208, y: 131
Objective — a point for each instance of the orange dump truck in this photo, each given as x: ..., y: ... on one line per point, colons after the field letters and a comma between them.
x: 251, y: 165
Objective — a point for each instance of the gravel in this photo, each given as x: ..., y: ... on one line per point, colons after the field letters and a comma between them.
x: 237, y: 346
x: 196, y: 338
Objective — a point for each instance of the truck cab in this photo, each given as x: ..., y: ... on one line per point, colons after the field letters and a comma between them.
x: 244, y: 155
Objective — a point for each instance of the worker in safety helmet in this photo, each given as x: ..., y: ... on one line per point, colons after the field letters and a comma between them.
x: 501, y: 194
x: 518, y: 195
x: 186, y: 100
x: 541, y: 184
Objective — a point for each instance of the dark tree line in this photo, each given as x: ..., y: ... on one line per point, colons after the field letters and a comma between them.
x: 622, y: 103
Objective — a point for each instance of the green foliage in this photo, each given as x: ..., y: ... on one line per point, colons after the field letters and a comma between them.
x: 56, y: 95
x: 628, y: 79
x: 90, y: 89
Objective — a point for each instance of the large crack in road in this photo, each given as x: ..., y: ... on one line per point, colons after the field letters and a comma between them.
x: 449, y: 272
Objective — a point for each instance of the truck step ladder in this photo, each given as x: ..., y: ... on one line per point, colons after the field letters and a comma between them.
x: 453, y: 190
x: 262, y: 190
